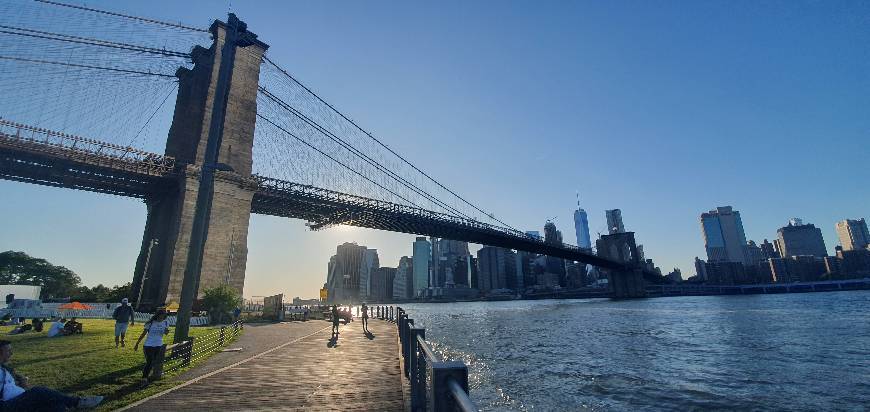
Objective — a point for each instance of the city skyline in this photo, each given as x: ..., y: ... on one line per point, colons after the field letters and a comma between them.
x: 672, y: 163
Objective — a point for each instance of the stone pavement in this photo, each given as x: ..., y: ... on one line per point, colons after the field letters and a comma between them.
x: 296, y: 367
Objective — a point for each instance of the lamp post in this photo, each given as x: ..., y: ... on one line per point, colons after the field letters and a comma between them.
x: 151, y: 245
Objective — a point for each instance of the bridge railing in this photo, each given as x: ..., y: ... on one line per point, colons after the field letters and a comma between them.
x: 100, y: 152
x: 436, y: 385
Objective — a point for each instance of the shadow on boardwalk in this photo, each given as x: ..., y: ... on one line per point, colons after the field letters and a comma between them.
x: 355, y: 372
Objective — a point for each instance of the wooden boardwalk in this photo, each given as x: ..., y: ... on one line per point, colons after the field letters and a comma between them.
x: 359, y: 373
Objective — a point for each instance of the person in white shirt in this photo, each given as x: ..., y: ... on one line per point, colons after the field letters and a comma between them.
x: 56, y: 328
x: 17, y: 395
x: 155, y: 329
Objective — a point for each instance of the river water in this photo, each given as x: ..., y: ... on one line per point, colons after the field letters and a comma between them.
x: 807, y: 352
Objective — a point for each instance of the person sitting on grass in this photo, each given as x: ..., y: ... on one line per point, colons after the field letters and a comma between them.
x: 56, y: 328
x: 155, y: 328
x: 21, y: 329
x: 72, y: 327
x: 17, y: 395
x: 37, y: 324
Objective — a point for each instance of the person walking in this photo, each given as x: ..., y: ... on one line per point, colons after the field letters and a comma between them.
x: 155, y: 329
x: 16, y: 395
x: 123, y: 316
x: 365, y: 318
x: 335, y: 321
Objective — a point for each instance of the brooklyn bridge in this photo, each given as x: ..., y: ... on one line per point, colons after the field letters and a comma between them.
x: 244, y: 136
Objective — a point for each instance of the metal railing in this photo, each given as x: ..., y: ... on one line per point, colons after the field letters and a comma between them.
x: 182, y: 354
x: 436, y: 385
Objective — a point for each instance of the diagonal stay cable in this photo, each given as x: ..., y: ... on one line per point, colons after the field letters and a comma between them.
x: 152, y: 116
x: 126, y: 16
x: 360, y: 154
x: 382, y: 144
x: 86, y: 66
x: 289, y: 133
x: 88, y: 41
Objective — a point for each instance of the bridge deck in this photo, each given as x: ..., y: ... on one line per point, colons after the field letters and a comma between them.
x: 303, y: 373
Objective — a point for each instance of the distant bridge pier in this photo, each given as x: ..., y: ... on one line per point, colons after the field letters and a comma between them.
x: 171, y: 215
x: 625, y: 282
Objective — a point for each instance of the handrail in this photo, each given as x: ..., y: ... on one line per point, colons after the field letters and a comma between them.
x: 436, y: 385
x: 460, y: 396
x: 427, y: 350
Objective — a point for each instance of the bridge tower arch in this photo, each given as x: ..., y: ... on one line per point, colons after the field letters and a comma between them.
x: 160, y: 268
x: 625, y: 282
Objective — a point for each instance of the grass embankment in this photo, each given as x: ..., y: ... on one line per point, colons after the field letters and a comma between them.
x: 89, y: 364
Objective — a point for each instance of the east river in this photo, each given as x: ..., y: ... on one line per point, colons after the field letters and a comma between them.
x: 807, y: 352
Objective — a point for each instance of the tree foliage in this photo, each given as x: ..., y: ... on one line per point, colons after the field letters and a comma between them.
x: 219, y: 301
x: 19, y: 268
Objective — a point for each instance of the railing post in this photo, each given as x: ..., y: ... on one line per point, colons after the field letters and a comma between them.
x: 406, y: 347
x: 417, y: 373
x: 441, y: 373
x: 222, y: 336
x: 187, y: 352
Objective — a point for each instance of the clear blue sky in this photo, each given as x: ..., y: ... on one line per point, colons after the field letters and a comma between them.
x: 662, y: 109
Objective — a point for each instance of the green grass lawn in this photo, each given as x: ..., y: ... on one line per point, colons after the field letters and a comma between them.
x: 89, y: 364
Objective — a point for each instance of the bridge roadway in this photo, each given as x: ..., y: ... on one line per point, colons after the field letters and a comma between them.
x: 296, y: 373
x: 39, y: 156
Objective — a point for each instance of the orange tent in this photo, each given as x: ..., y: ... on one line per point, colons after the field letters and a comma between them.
x: 75, y: 306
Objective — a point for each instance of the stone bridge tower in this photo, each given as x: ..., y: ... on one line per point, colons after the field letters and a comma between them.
x: 626, y: 282
x: 167, y: 239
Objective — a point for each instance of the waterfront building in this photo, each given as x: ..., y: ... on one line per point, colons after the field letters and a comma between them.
x: 804, y: 268
x: 854, y: 264
x: 768, y: 250
x: 799, y: 239
x: 551, y: 234
x: 675, y: 276
x: 700, y: 269
x: 382, y: 284
x: 853, y: 234
x: 581, y: 227
x: 724, y: 238
x: 723, y: 272
x: 421, y: 258
x: 614, y: 221
x: 754, y: 254
x: 495, y: 265
x: 343, y: 278
x: 449, y: 262
x: 403, y: 283
x: 524, y: 271
x: 370, y: 264
x: 554, y: 265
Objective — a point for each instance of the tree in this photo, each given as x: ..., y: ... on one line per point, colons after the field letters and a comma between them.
x: 219, y: 301
x: 18, y: 268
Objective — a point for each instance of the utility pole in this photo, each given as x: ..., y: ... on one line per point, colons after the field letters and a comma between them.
x: 206, y: 180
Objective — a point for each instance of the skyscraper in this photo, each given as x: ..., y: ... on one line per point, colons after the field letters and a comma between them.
x: 614, y: 221
x: 403, y: 283
x: 798, y: 239
x: 343, y: 279
x: 723, y: 233
x: 422, y: 255
x: 853, y: 234
x: 369, y: 265
x: 581, y: 227
x: 496, y: 265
